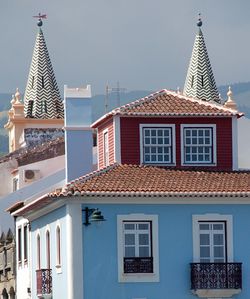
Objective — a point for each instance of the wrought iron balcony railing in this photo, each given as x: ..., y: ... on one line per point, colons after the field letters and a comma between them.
x: 216, y: 276
x: 44, y: 282
x: 138, y: 265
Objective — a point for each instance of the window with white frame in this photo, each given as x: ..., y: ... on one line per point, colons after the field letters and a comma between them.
x: 19, y: 236
x: 157, y: 145
x: 105, y: 148
x: 199, y: 144
x: 38, y: 246
x: 58, y: 246
x: 138, y: 248
x: 212, y: 237
x: 25, y: 243
x: 48, y: 249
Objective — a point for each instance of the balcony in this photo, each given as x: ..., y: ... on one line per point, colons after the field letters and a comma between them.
x: 138, y: 265
x: 44, y: 283
x: 221, y: 280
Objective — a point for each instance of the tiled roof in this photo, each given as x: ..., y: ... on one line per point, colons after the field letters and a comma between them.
x: 149, y: 180
x: 169, y: 103
x: 28, y: 155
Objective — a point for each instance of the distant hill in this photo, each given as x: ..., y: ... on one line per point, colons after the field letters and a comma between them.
x: 240, y: 90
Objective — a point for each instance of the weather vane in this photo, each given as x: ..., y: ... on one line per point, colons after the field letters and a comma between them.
x: 40, y: 17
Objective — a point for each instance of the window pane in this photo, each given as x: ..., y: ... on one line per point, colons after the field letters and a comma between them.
x: 144, y: 252
x: 129, y: 251
x: 143, y: 239
x: 218, y: 226
x: 142, y: 226
x: 129, y: 226
x: 218, y: 239
x: 129, y: 239
x: 204, y: 252
x: 204, y: 226
x: 204, y: 239
x: 218, y: 252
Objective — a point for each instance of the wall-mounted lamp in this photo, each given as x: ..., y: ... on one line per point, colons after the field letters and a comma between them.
x: 92, y: 215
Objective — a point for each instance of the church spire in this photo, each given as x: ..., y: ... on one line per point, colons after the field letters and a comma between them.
x: 42, y: 97
x: 200, y: 82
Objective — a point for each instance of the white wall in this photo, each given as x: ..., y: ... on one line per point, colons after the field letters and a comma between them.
x: 45, y: 167
x: 23, y: 269
x: 244, y: 143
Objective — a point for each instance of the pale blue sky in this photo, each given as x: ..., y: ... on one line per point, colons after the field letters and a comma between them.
x: 143, y: 44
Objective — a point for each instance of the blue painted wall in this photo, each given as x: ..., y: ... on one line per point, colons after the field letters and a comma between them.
x: 59, y: 280
x: 175, y: 251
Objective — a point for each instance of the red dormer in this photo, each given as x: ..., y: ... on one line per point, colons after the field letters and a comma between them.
x: 170, y: 130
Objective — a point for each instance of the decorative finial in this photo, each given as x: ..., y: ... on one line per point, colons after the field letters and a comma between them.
x: 40, y: 17
x: 230, y: 93
x: 199, y: 22
x: 13, y: 100
x: 17, y: 96
x: 230, y: 103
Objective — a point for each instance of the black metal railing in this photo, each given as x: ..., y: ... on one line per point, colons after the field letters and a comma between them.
x: 44, y: 281
x: 216, y: 276
x: 138, y: 265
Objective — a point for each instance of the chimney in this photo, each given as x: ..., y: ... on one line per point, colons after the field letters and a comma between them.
x: 78, y: 133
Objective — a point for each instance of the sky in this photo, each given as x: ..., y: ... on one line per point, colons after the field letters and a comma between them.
x: 143, y: 44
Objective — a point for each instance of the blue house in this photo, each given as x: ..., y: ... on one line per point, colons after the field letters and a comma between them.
x: 166, y: 215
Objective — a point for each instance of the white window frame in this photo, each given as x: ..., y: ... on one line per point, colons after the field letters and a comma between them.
x: 58, y: 234
x: 214, y: 145
x: 138, y: 277
x: 173, y: 140
x: 38, y: 251
x: 228, y: 219
x: 105, y: 148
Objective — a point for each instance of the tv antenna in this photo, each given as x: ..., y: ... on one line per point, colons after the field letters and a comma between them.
x: 116, y: 89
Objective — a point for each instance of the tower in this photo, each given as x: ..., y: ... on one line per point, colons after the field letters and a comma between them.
x: 200, y: 82
x: 42, y: 109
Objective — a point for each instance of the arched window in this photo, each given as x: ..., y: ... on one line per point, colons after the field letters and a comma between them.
x: 48, y: 249
x: 58, y: 246
x: 38, y: 241
x: 5, y: 294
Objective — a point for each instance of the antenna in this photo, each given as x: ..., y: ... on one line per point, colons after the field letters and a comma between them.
x: 106, y: 99
x: 116, y: 89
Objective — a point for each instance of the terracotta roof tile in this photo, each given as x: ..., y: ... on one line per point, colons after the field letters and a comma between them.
x: 27, y: 155
x: 168, y: 103
x: 150, y: 180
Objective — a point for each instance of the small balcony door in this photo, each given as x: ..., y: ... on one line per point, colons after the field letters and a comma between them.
x: 212, y: 242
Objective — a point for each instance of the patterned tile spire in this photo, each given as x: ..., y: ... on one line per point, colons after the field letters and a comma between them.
x: 200, y: 82
x: 42, y: 97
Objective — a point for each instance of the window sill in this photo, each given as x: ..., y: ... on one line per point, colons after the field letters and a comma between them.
x: 139, y: 277
x: 159, y: 164
x: 199, y: 164
x: 58, y: 269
